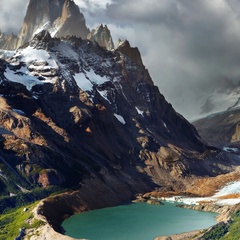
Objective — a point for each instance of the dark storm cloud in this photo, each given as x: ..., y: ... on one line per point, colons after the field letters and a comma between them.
x: 188, y: 45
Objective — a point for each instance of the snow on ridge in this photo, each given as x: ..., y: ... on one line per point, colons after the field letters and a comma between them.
x: 67, y: 51
x: 87, y: 80
x: 30, y: 54
x: 23, y: 76
x: 97, y: 79
x: 6, y: 53
x: 18, y: 111
x: 104, y: 95
x: 231, y: 188
x: 42, y: 27
x: 139, y: 111
x: 120, y: 118
x: 83, y: 82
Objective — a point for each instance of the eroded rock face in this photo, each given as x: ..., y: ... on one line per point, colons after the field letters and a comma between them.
x: 7, y: 42
x: 88, y: 113
x: 102, y: 36
x: 59, y: 17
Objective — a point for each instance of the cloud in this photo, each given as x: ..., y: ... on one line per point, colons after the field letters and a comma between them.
x: 11, y: 15
x: 188, y: 46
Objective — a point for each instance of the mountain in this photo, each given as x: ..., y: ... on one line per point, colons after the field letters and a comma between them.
x: 7, y: 41
x: 76, y: 115
x: 59, y: 17
x: 221, y: 130
x: 218, y: 123
x: 203, y: 102
x: 76, y: 111
x: 102, y: 36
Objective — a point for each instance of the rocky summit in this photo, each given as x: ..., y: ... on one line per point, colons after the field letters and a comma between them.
x: 77, y: 115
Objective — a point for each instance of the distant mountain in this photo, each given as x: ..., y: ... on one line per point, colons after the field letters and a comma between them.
x: 201, y: 103
x: 218, y: 122
x: 221, y: 130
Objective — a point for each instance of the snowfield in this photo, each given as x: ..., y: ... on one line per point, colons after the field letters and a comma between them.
x: 120, y: 118
x: 217, y: 198
x: 87, y: 80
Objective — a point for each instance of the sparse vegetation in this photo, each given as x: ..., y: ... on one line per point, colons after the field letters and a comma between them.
x: 22, y: 199
x: 217, y: 232
x: 12, y: 221
x: 222, y: 231
x: 233, y: 232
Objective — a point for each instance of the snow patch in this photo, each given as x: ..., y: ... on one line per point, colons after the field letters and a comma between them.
x: 6, y: 54
x: 30, y: 54
x: 229, y: 149
x: 22, y: 76
x: 83, y: 82
x: 87, y: 80
x: 165, y: 125
x: 104, y: 95
x: 96, y: 79
x: 120, y: 118
x: 139, y: 111
x: 18, y: 111
x: 231, y: 188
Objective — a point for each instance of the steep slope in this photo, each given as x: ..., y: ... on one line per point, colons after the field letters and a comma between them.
x: 83, y: 116
x: 59, y: 17
x: 7, y: 41
x: 221, y: 130
x: 200, y: 103
x: 102, y: 36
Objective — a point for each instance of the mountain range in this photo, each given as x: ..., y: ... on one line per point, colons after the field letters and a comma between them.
x: 80, y: 113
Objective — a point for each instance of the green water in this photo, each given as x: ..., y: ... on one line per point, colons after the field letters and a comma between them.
x: 139, y: 221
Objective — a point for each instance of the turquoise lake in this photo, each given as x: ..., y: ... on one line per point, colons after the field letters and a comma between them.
x: 138, y: 221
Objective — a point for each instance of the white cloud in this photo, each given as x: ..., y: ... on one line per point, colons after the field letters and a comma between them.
x: 11, y: 15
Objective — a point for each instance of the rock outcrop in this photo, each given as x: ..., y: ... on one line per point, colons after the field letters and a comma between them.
x: 102, y: 36
x: 61, y: 104
x: 7, y: 42
x: 59, y: 17
x: 133, y: 53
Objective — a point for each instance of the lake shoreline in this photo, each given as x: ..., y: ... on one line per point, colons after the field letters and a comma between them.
x: 48, y: 232
x: 53, y: 211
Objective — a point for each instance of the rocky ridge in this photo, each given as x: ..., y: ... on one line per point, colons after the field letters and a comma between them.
x: 102, y: 36
x: 82, y: 117
x: 59, y: 17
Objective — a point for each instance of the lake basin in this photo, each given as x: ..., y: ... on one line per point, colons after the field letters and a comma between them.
x: 139, y: 221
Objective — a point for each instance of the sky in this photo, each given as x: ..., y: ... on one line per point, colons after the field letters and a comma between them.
x: 190, y: 47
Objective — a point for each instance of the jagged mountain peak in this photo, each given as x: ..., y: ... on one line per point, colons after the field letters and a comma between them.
x: 59, y: 17
x: 102, y: 36
x: 132, y: 52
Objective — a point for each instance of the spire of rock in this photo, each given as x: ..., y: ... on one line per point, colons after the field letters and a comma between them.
x: 132, y: 52
x: 59, y: 17
x: 7, y: 41
x: 102, y: 36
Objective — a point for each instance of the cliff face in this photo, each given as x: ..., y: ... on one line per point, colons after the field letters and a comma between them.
x: 102, y: 36
x: 59, y: 17
x: 221, y: 130
x: 83, y: 116
x: 7, y: 41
